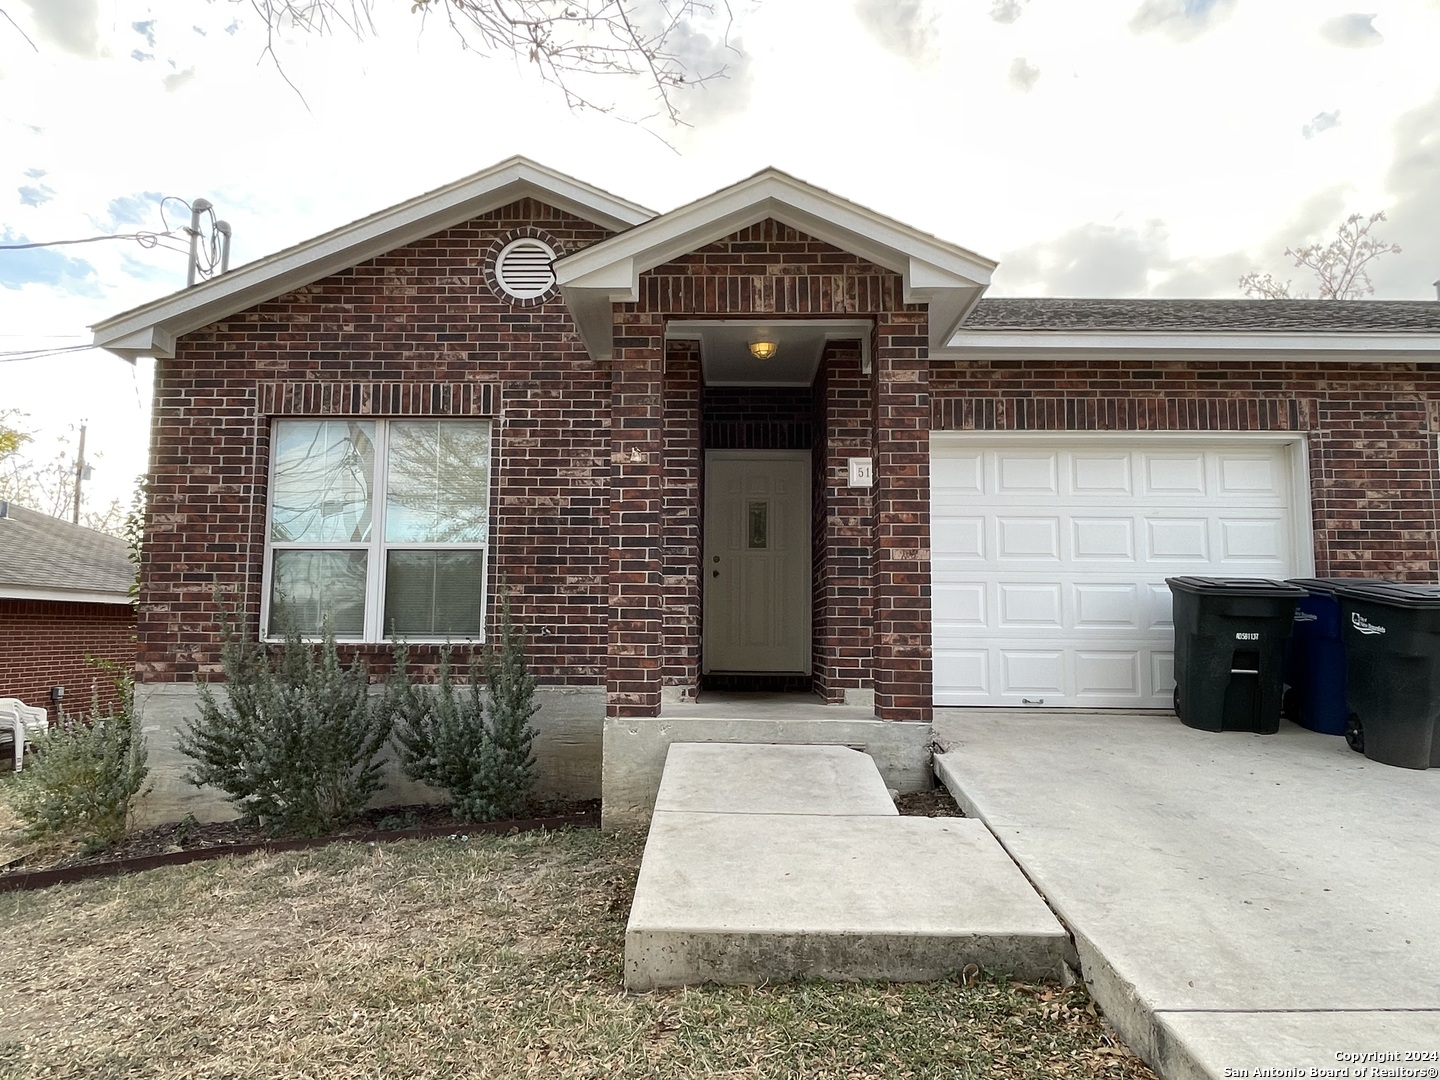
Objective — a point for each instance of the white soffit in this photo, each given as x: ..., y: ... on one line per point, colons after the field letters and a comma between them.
x: 151, y: 330
x: 1335, y: 345
x: 946, y: 277
x: 725, y: 358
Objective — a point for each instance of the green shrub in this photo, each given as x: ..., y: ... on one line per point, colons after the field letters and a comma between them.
x: 473, y: 741
x: 296, y: 745
x: 85, y: 775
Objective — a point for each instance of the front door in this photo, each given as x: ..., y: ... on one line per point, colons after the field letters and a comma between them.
x: 757, y: 561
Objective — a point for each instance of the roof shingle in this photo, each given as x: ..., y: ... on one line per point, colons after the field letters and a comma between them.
x: 1207, y: 316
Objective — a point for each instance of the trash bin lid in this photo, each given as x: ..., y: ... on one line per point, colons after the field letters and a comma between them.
x: 1232, y: 586
x: 1394, y: 593
x: 1331, y: 585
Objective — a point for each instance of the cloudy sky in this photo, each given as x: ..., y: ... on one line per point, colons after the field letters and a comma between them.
x: 1095, y: 148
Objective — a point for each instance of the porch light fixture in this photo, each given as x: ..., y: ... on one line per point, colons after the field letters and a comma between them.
x: 763, y: 350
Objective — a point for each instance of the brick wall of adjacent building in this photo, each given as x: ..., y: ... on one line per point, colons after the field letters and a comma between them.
x: 48, y: 643
x: 1372, y: 432
x: 416, y: 332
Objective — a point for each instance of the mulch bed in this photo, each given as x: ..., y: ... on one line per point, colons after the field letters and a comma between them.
x: 189, y: 841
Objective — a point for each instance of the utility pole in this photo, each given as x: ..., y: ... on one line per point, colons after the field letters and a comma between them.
x: 79, y: 475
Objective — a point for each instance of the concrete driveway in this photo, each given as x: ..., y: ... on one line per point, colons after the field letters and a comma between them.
x: 1240, y: 903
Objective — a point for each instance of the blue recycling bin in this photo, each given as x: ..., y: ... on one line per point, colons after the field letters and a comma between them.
x: 1315, y: 658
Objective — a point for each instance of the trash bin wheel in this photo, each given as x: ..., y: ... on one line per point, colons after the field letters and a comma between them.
x: 1177, y: 700
x: 1354, y: 733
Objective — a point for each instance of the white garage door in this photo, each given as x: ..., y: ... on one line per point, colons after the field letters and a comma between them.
x: 1050, y: 559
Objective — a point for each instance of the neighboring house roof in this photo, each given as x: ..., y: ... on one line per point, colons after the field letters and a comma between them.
x: 151, y: 330
x: 45, y: 558
x: 946, y: 277
x: 1377, y: 329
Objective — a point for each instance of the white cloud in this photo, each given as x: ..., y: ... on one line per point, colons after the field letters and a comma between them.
x: 1352, y: 31
x: 1007, y: 11
x: 1023, y: 75
x: 73, y: 25
x: 1321, y: 122
x: 1182, y: 20
x: 904, y: 27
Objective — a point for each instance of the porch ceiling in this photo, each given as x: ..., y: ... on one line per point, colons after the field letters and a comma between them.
x: 725, y: 358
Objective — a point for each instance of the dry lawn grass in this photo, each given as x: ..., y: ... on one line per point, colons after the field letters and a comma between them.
x: 497, y: 957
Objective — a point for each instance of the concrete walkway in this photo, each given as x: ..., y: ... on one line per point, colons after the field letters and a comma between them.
x: 1238, y: 902
x: 768, y: 863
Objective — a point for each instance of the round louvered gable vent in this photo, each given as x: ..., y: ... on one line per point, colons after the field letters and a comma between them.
x: 525, y: 269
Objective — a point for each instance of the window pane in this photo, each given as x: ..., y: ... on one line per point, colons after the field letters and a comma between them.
x: 305, y: 586
x: 434, y: 594
x: 437, y: 483
x: 324, y: 477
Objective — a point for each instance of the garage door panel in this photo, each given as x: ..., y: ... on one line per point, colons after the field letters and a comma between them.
x: 1174, y: 474
x: 1108, y: 674
x: 1024, y: 538
x: 1031, y: 672
x: 1048, y: 584
x: 1112, y: 606
x: 1177, y: 539
x: 1031, y: 605
x: 960, y: 604
x: 1103, y: 538
x: 1027, y: 473
x: 960, y: 538
x: 1102, y: 474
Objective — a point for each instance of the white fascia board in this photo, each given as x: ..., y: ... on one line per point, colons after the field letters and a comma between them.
x: 358, y: 242
x: 64, y: 596
x: 1338, y: 345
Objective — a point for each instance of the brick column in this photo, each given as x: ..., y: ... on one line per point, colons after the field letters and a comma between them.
x: 680, y: 502
x: 900, y: 582
x: 845, y: 417
x: 636, y: 644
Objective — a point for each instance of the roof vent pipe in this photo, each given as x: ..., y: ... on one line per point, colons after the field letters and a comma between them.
x: 223, y: 228
x: 198, y: 207
x: 1437, y: 289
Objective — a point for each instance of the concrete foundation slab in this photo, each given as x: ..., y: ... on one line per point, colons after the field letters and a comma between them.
x: 725, y: 778
x: 1235, y: 899
x: 751, y: 898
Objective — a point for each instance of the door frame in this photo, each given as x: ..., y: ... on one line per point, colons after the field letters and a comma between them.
x: 807, y: 628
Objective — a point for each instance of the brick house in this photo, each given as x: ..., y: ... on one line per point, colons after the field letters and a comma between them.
x: 768, y: 440
x: 64, y: 601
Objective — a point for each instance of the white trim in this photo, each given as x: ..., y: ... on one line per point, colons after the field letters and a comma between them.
x: 64, y: 596
x: 151, y: 330
x: 1298, y: 458
x: 946, y: 277
x: 1337, y: 345
x: 376, y: 567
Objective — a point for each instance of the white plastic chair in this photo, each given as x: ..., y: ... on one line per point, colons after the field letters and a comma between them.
x: 22, y: 721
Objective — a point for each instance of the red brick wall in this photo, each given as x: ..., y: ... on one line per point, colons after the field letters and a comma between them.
x: 1372, y: 432
x: 47, y: 643
x: 414, y: 332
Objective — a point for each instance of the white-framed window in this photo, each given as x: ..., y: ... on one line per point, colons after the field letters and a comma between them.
x: 381, y: 525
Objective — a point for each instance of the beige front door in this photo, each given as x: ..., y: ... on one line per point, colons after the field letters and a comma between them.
x: 757, y: 561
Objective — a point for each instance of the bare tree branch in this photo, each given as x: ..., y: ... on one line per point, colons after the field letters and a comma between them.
x: 1339, y: 266
x: 568, y: 41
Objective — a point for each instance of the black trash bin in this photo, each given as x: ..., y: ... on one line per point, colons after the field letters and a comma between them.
x: 1392, y: 666
x: 1230, y: 638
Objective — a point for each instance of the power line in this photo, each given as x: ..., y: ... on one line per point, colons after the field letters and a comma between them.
x: 36, y: 354
x: 145, y: 239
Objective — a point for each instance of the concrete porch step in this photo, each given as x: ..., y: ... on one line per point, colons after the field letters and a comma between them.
x: 790, y: 866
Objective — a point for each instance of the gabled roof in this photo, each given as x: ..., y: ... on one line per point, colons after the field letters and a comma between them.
x: 1379, y: 330
x: 942, y: 275
x: 151, y: 330
x: 45, y: 558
